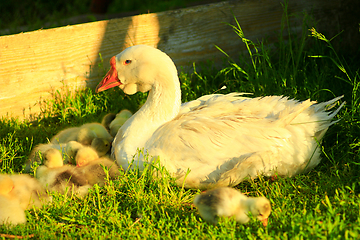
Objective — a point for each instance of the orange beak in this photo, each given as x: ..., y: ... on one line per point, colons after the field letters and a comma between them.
x: 110, y: 80
x: 265, y: 222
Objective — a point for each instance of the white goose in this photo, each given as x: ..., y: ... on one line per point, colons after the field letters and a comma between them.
x: 221, y: 139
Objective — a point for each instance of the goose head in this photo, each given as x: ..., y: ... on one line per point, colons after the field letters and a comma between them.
x: 136, y: 69
x: 260, y: 208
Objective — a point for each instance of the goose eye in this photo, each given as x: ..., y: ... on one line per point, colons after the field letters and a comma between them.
x: 127, y: 62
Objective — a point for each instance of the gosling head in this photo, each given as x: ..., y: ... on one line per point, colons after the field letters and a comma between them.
x: 6, y: 184
x: 107, y: 119
x: 101, y: 146
x: 120, y: 119
x: 85, y: 155
x: 52, y: 158
x: 261, y: 209
x: 71, y: 150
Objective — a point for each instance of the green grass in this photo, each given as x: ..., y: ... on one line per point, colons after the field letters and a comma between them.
x: 322, y: 204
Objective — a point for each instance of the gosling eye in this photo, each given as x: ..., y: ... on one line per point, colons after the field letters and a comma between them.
x: 127, y: 62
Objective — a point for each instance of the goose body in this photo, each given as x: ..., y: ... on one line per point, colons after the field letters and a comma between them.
x: 68, y: 151
x: 107, y: 119
x: 113, y: 122
x: 92, y: 167
x: 118, y: 121
x: 55, y: 176
x: 216, y: 140
x: 228, y: 202
x: 10, y: 210
x: 83, y: 134
x: 28, y: 191
x: 101, y: 146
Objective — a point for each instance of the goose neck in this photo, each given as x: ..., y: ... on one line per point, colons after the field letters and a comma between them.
x: 164, y: 100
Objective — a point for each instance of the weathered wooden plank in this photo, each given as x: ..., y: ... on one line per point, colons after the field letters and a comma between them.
x: 32, y: 64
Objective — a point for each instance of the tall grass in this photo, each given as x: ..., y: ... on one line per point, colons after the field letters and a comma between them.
x: 322, y: 204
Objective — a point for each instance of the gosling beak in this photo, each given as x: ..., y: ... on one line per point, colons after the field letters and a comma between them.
x: 265, y: 222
